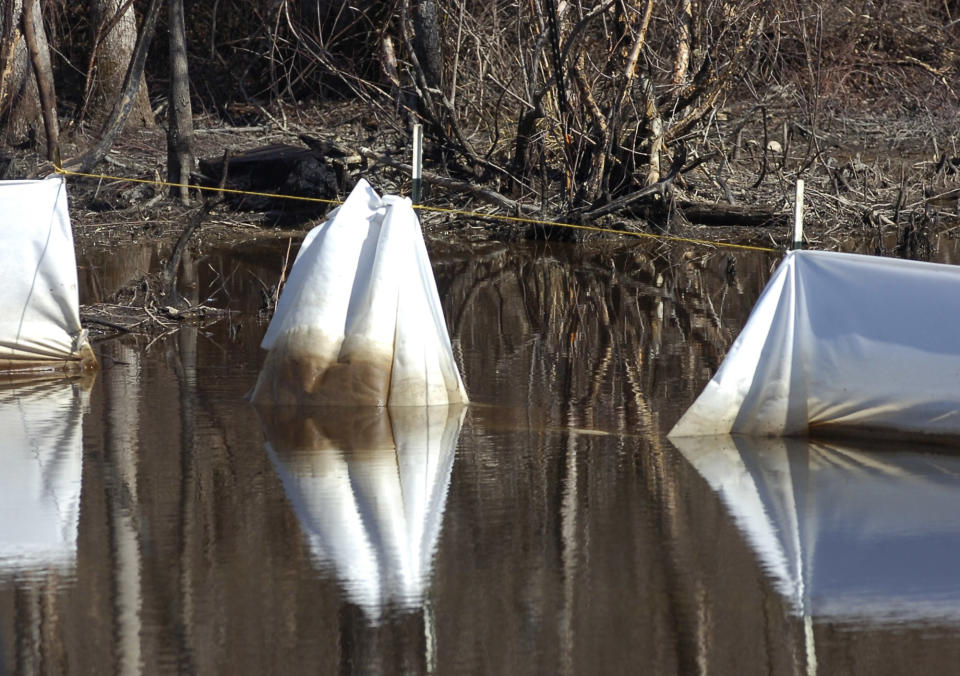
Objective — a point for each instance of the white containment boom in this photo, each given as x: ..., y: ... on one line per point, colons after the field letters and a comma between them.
x: 39, y: 304
x: 842, y: 343
x: 359, y: 322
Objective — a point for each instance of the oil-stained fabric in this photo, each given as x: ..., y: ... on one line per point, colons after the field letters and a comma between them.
x: 841, y: 342
x: 39, y: 306
x: 359, y: 320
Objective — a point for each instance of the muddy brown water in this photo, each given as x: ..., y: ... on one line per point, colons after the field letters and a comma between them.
x: 153, y: 522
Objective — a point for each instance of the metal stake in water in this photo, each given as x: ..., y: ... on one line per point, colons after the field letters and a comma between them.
x: 417, y: 161
x: 798, y: 217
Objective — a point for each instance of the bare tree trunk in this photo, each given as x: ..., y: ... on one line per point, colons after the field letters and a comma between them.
x: 180, y: 127
x: 600, y: 166
x: 19, y: 99
x: 421, y: 33
x: 124, y: 104
x: 681, y: 61
x: 112, y: 59
x: 36, y: 38
x: 654, y: 135
x: 426, y: 41
x: 10, y: 39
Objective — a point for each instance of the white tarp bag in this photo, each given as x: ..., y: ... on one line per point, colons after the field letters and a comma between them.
x: 369, y: 487
x: 41, y: 456
x: 39, y: 305
x: 847, y: 534
x: 841, y: 343
x: 359, y: 321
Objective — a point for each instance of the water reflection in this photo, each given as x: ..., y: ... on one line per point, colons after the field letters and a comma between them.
x: 603, y: 339
x: 369, y: 488
x: 850, y: 534
x: 41, y: 456
x: 560, y: 549
x: 40, y: 481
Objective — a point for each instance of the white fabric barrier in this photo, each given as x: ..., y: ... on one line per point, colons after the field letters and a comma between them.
x: 841, y: 343
x: 41, y: 456
x: 847, y: 534
x: 359, y: 321
x: 369, y: 487
x: 39, y: 306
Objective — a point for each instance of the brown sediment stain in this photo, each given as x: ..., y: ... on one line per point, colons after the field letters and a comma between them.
x: 306, y: 367
x: 16, y: 358
x: 88, y: 360
x: 878, y: 435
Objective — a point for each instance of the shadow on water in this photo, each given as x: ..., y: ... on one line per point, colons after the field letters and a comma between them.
x: 550, y: 529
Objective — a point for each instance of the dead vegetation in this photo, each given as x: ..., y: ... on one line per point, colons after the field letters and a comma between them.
x: 663, y: 115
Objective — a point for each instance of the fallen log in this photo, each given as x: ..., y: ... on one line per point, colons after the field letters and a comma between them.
x: 731, y: 215
x: 279, y: 169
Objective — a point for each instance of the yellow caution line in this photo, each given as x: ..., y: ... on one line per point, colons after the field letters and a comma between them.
x: 421, y: 207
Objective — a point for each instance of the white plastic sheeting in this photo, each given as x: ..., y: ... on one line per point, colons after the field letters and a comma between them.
x: 369, y: 488
x: 359, y: 321
x: 39, y: 306
x: 847, y: 533
x: 841, y: 342
x: 41, y: 454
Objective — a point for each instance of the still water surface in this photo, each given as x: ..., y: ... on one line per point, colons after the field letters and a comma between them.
x: 151, y: 521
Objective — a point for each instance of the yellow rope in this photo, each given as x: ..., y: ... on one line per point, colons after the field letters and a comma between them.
x: 421, y: 207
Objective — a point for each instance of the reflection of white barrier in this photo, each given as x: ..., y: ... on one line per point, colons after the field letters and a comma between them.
x: 847, y: 535
x: 40, y: 457
x: 359, y: 321
x: 39, y: 307
x: 841, y: 342
x: 369, y: 487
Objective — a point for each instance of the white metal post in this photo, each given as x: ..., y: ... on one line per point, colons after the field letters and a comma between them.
x: 798, y: 217
x: 417, y: 162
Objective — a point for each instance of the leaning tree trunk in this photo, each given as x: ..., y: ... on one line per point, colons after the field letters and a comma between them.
x: 180, y: 127
x: 36, y: 39
x: 112, y: 58
x: 20, y: 120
